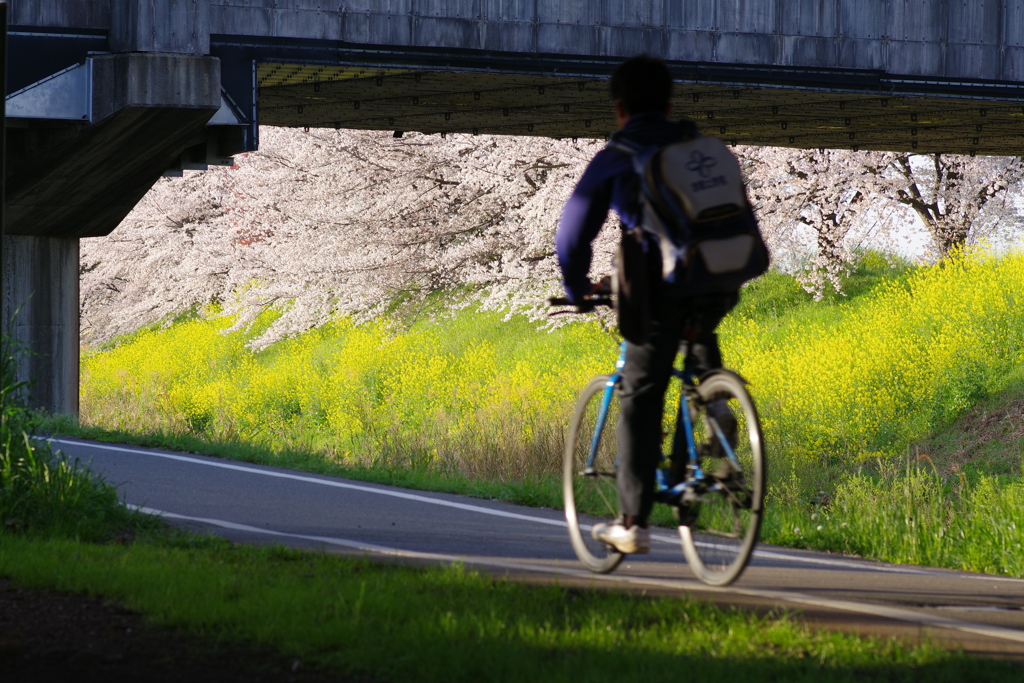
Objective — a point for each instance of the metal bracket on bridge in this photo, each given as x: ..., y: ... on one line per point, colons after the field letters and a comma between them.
x: 225, y: 133
x: 64, y: 96
x: 67, y: 96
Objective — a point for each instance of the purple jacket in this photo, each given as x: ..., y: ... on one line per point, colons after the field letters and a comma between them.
x: 608, y: 182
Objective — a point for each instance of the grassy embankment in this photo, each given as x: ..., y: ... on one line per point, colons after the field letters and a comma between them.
x: 855, y: 393
x: 400, y: 623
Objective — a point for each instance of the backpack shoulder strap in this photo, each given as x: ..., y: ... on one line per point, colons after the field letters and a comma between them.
x: 640, y: 154
x: 637, y: 152
x: 620, y: 142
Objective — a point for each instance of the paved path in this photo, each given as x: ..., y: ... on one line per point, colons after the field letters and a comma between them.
x: 258, y: 504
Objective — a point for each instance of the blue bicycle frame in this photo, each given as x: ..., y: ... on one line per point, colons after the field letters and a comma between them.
x: 664, y: 491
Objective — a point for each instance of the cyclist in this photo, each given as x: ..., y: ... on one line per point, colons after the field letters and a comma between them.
x: 641, y: 91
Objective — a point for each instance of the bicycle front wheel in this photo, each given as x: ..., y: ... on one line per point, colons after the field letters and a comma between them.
x: 720, y: 540
x: 588, y: 485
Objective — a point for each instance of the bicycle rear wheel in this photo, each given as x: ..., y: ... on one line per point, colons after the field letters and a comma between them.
x: 591, y: 490
x: 719, y: 542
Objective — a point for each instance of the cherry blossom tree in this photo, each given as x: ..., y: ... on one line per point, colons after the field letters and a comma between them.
x: 823, y: 190
x: 953, y: 195
x: 838, y: 195
x: 327, y: 222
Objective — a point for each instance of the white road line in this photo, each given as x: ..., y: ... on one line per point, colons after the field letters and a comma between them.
x: 894, y: 613
x: 758, y: 553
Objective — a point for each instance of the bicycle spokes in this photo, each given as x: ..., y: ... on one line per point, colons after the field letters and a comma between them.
x: 728, y: 435
x: 589, y: 473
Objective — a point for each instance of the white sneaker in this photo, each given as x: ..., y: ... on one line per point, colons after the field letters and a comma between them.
x: 633, y: 541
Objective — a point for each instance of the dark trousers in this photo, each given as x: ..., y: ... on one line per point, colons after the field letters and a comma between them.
x: 645, y: 377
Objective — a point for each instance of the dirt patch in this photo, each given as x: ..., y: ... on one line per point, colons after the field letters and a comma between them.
x: 989, y: 435
x: 53, y: 636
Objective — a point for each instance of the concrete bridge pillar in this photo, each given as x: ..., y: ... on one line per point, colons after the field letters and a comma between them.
x: 41, y: 310
x: 83, y: 147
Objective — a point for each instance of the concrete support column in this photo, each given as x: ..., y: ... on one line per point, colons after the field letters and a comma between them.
x: 151, y: 100
x: 148, y: 108
x: 40, y: 309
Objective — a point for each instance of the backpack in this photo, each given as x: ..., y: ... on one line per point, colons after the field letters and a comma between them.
x: 694, y: 206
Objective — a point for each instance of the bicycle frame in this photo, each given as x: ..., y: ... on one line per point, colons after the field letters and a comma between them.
x: 683, y: 439
x: 602, y: 416
x: 683, y: 417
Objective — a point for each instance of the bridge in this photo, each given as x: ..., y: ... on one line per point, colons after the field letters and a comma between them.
x: 105, y: 96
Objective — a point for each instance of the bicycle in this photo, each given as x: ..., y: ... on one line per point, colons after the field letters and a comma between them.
x: 719, y: 509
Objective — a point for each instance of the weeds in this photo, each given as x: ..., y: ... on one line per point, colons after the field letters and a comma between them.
x: 908, y: 513
x: 42, y: 493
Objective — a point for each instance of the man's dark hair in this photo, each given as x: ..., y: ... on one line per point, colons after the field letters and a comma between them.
x: 644, y: 84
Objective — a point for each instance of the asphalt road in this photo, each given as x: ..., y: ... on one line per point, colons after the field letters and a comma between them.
x: 257, y: 504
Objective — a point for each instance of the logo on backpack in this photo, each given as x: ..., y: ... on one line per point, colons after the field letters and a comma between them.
x: 701, y: 164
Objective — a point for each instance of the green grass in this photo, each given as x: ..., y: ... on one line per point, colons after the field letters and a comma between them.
x: 953, y: 499
x: 779, y: 298
x: 987, y: 440
x: 450, y: 624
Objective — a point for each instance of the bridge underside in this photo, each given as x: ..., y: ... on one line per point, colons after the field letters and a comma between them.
x: 318, y: 83
x: 752, y: 106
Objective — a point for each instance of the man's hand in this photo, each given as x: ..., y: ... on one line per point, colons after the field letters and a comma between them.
x: 597, y: 295
x: 598, y: 290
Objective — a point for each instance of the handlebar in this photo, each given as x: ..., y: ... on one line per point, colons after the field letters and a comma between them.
x: 601, y: 295
x: 589, y: 302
